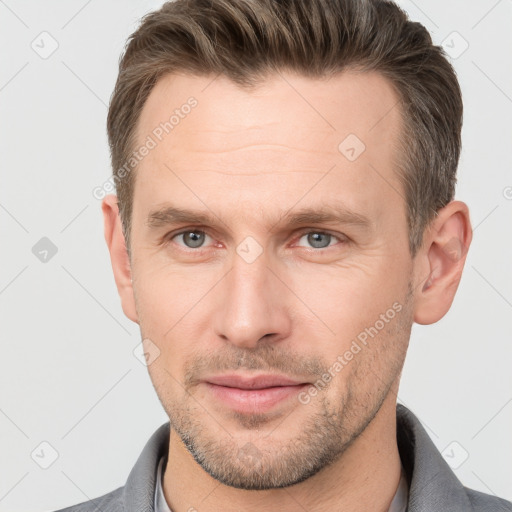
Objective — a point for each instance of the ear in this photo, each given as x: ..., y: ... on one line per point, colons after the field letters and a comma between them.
x: 440, y: 261
x: 119, y: 255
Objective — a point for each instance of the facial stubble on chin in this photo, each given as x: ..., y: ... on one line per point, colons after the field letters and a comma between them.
x: 245, y: 466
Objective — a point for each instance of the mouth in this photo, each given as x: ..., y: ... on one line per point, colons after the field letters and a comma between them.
x: 252, y: 394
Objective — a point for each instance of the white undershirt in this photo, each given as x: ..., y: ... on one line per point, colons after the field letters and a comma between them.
x: 399, y: 503
x: 160, y: 503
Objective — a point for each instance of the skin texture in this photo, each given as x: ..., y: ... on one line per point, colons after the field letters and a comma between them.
x: 248, y: 158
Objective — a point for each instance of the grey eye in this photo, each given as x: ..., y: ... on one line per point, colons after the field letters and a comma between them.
x: 318, y: 239
x: 192, y: 239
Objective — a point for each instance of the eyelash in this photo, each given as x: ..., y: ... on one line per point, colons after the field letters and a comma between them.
x: 169, y: 237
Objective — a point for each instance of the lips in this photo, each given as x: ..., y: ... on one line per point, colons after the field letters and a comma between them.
x: 258, y: 382
x: 253, y: 394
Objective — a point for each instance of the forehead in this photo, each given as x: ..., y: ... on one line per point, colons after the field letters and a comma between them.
x: 269, y: 144
x: 363, y: 103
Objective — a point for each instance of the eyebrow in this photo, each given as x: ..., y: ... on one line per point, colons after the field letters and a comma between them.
x: 169, y: 215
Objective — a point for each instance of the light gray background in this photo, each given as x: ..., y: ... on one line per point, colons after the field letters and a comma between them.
x: 68, y: 375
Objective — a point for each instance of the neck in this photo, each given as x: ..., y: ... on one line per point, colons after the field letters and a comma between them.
x: 364, y: 478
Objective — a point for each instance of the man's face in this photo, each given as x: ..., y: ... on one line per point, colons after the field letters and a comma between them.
x: 250, y: 293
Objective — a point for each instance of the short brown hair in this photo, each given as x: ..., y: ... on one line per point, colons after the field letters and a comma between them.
x: 244, y: 40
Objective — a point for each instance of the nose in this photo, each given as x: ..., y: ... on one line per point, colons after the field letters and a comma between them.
x: 253, y: 304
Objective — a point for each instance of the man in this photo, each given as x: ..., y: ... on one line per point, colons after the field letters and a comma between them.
x: 285, y: 176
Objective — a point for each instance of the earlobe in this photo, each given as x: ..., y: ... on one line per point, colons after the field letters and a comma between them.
x: 119, y: 255
x: 443, y: 256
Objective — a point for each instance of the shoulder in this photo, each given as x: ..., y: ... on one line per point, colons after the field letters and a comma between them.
x: 482, y: 502
x: 432, y: 483
x: 139, y: 490
x: 110, y: 502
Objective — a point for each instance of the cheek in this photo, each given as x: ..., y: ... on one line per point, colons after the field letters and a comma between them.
x: 369, y: 360
x: 164, y: 298
x: 361, y: 322
x: 174, y: 311
x: 345, y: 299
x: 159, y: 309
